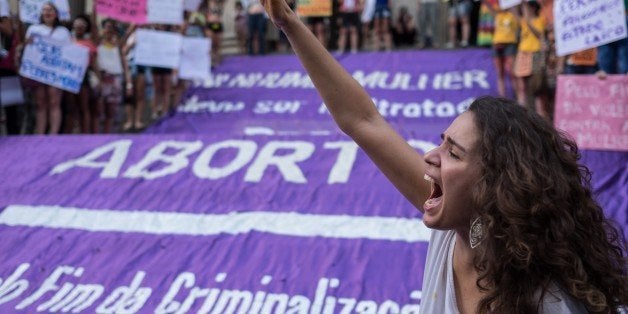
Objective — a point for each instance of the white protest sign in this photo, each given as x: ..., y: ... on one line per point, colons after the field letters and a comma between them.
x: 62, y: 65
x: 158, y: 48
x: 11, y: 91
x: 195, y: 59
x: 4, y: 8
x: 30, y: 10
x: 165, y: 11
x: 507, y: 4
x: 582, y: 24
x: 191, y: 5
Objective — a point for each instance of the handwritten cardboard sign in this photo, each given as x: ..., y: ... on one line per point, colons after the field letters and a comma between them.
x: 195, y: 60
x: 165, y: 11
x: 4, y: 8
x: 314, y: 7
x: 191, y: 5
x: 582, y: 24
x: 30, y: 10
x: 152, y: 51
x: 57, y: 64
x: 593, y: 111
x: 132, y: 11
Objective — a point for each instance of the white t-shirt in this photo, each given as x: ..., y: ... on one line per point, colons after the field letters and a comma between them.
x: 60, y: 33
x: 439, y: 295
x: 109, y: 59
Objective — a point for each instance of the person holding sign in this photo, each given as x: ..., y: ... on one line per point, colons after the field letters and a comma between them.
x: 48, y: 98
x: 516, y: 228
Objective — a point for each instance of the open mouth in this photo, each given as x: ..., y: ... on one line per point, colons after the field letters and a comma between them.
x: 436, y: 196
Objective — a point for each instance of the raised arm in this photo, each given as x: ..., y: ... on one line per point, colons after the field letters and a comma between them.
x: 353, y: 109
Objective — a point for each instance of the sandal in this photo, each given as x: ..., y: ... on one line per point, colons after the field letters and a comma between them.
x: 127, y: 126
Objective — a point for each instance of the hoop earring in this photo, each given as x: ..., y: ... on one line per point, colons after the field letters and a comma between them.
x: 476, y: 232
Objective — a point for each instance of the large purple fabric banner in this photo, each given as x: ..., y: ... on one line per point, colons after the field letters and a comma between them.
x: 214, y: 224
x: 237, y: 205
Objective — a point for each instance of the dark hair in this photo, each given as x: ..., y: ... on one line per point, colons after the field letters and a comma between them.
x: 88, y: 22
x: 56, y: 22
x: 542, y: 226
x: 535, y: 6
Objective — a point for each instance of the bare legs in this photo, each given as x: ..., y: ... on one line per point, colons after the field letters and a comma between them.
x: 48, y: 109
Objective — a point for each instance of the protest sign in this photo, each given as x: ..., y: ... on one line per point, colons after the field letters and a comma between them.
x: 4, y: 8
x: 132, y: 11
x: 582, y: 24
x: 158, y: 48
x: 11, y: 91
x: 30, y: 10
x: 58, y: 64
x: 314, y: 7
x: 507, y: 4
x: 165, y: 11
x: 593, y: 111
x: 195, y: 58
x: 191, y: 5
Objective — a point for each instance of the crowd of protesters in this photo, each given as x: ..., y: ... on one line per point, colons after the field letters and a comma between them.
x: 521, y: 39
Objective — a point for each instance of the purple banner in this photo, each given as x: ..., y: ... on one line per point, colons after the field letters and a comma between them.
x: 206, y: 217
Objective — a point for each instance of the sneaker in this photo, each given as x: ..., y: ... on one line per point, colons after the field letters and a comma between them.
x: 464, y: 44
x: 449, y: 45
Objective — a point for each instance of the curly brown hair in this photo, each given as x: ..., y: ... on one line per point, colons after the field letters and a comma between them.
x: 542, y: 226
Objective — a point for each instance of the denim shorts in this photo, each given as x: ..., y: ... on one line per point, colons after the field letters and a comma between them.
x: 504, y: 50
x: 381, y: 12
x: 460, y: 9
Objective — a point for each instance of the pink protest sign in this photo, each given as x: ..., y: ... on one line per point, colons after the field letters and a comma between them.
x: 593, y: 111
x: 133, y: 11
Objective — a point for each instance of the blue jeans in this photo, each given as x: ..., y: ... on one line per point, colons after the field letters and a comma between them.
x: 612, y: 58
x: 257, y: 32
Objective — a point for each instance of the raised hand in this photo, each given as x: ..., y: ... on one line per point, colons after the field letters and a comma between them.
x: 278, y: 10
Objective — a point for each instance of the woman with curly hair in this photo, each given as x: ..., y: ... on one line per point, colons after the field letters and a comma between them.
x: 516, y: 226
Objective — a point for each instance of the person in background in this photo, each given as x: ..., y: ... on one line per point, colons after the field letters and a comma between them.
x: 215, y: 28
x: 316, y: 24
x: 9, y: 42
x: 367, y: 22
x: 162, y: 83
x: 516, y: 228
x: 381, y: 25
x: 459, y: 11
x: 486, y: 24
x: 530, y: 61
x: 256, y: 19
x: 48, y: 98
x: 504, y: 44
x: 428, y: 21
x: 83, y: 102
x: 240, y: 26
x: 350, y: 13
x: 113, y: 72
x: 404, y: 28
x: 135, y: 102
